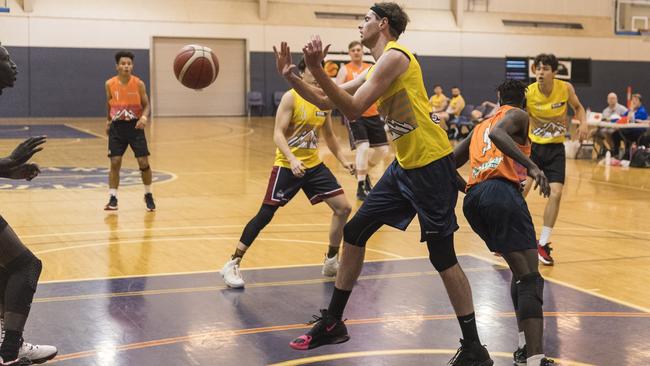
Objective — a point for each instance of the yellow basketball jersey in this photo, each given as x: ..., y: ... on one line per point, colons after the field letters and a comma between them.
x: 548, y: 122
x: 304, y: 125
x: 405, y: 107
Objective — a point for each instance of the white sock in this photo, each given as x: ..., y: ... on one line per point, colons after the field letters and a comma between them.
x: 113, y: 192
x: 546, y: 234
x: 534, y: 360
x: 361, y: 177
x: 522, y: 340
x: 147, y: 188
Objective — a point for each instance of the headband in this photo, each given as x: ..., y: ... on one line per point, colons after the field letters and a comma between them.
x: 379, y: 11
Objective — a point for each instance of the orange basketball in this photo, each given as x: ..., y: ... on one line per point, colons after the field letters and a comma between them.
x: 196, y: 67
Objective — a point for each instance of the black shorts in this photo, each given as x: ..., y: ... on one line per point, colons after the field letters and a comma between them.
x: 551, y: 159
x: 123, y: 134
x: 429, y: 191
x: 368, y: 129
x: 318, y: 183
x: 497, y: 211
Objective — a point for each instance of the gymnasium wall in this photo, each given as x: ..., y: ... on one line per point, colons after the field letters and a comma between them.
x: 64, y: 47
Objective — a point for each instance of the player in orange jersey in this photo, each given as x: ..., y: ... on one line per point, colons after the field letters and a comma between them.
x: 368, y: 130
x: 498, y: 150
x: 127, y: 107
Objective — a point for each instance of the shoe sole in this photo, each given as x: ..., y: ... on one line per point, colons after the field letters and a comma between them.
x: 43, y: 360
x: 544, y: 261
x: 109, y: 208
x: 338, y: 340
x: 329, y: 274
x: 151, y: 210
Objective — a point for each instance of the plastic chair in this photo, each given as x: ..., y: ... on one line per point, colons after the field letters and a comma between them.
x: 255, y: 100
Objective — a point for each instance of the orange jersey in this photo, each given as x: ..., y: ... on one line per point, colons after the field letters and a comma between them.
x: 351, y: 74
x: 487, y: 161
x: 125, y: 100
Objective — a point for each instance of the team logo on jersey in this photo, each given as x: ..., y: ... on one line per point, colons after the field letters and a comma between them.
x: 79, y: 178
x: 490, y: 164
x: 398, y: 129
x: 549, y: 130
x: 321, y: 113
x: 307, y: 139
x: 557, y: 105
x: 124, y: 115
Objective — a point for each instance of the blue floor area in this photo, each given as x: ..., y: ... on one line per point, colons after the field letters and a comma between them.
x: 56, y: 131
x: 397, y: 305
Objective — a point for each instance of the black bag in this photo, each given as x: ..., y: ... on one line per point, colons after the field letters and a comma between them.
x: 641, y: 159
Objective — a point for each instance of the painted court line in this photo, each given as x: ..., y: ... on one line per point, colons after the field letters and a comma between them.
x: 172, y: 228
x: 227, y: 335
x: 574, y: 287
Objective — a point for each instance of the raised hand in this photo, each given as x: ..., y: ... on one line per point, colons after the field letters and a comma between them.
x: 26, y: 149
x: 283, y: 60
x: 314, y: 52
x: 25, y: 171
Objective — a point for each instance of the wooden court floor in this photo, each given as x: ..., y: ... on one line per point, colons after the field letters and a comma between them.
x: 220, y: 168
x: 214, y: 173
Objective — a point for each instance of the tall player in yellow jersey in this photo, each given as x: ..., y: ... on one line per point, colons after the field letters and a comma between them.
x: 298, y: 166
x: 420, y: 181
x: 546, y: 102
x: 366, y: 132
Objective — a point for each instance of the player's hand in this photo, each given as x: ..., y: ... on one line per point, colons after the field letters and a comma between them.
x: 142, y: 123
x: 350, y: 167
x: 314, y: 53
x: 108, y: 128
x: 583, y: 131
x: 540, y: 181
x: 26, y: 149
x: 283, y: 60
x: 25, y: 171
x: 298, y: 168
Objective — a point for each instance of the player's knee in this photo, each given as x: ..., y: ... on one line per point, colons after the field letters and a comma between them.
x: 530, y: 291
x: 116, y: 162
x: 358, y: 230
x: 343, y: 211
x: 145, y: 168
x: 441, y: 253
x: 264, y: 215
x: 556, y: 191
x: 257, y: 223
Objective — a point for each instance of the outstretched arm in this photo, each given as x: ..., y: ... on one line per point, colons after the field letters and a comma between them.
x: 515, y: 123
x: 389, y: 66
x: 312, y: 94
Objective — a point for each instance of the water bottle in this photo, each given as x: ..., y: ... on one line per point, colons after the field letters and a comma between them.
x: 608, y: 158
x: 631, y: 117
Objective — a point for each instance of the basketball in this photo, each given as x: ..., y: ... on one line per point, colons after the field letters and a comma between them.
x: 196, y: 67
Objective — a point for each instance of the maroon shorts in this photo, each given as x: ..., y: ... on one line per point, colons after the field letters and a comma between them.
x: 318, y: 183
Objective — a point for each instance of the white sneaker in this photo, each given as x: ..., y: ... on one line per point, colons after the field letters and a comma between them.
x: 37, y: 353
x: 231, y: 275
x: 330, y: 266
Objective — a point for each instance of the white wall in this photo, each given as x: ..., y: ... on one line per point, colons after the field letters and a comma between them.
x: 133, y: 23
